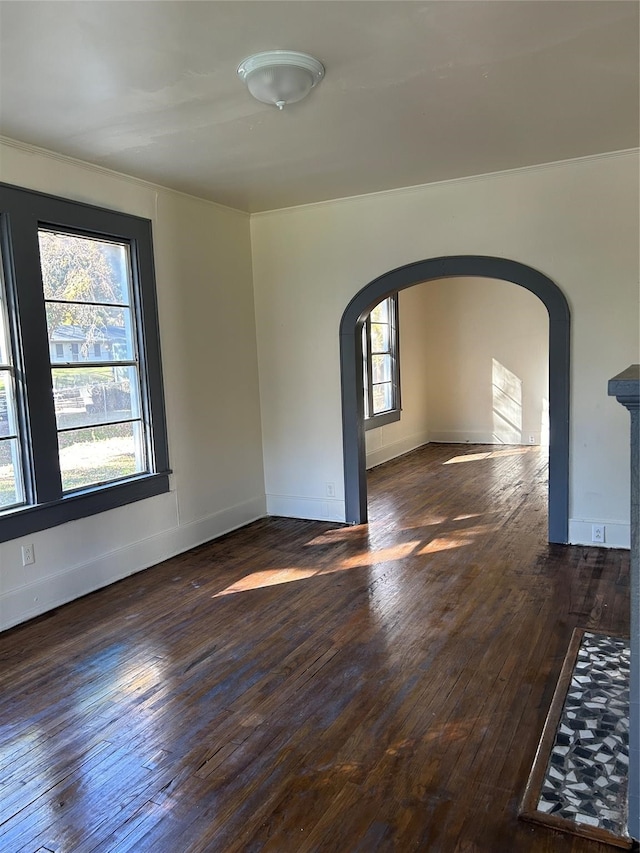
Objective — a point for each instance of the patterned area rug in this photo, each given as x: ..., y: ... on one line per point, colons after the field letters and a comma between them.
x: 579, y: 779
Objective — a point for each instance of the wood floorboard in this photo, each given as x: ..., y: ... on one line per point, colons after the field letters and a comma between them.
x: 298, y: 686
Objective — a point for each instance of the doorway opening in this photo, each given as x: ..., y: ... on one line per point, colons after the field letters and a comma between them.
x: 467, y: 266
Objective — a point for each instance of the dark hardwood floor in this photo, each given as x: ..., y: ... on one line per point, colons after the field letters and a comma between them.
x: 299, y: 686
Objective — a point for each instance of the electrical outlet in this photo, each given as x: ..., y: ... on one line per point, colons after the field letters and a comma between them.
x: 331, y: 490
x: 28, y: 555
x: 532, y: 439
x: 597, y: 532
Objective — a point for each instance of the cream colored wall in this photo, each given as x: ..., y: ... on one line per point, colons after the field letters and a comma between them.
x: 576, y: 222
x: 207, y: 330
x: 488, y: 367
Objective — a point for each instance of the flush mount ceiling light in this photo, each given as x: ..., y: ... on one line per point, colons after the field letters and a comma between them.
x: 280, y: 77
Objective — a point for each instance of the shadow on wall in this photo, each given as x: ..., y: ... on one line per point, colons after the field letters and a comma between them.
x: 506, y: 393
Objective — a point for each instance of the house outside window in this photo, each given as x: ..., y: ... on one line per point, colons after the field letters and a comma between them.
x: 82, y: 426
x: 381, y: 367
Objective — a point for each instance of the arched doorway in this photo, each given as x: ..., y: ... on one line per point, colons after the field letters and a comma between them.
x: 436, y: 268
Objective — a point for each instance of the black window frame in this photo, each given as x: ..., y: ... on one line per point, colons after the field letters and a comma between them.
x: 394, y: 414
x: 22, y: 213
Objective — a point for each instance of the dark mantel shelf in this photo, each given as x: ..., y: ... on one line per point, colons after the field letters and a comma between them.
x: 625, y: 387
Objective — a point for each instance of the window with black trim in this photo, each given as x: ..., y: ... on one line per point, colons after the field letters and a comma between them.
x: 82, y: 423
x: 381, y: 364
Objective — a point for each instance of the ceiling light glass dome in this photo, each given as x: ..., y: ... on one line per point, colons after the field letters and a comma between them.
x: 280, y: 77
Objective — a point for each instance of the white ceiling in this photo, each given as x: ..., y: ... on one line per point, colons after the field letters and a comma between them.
x: 414, y: 91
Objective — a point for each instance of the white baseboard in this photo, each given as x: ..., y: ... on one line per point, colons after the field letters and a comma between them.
x: 36, y: 598
x: 470, y: 437
x: 379, y: 455
x: 617, y: 534
x: 315, y: 509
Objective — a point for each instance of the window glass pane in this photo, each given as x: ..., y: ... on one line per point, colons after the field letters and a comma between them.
x: 5, y: 428
x: 380, y: 314
x: 379, y: 337
x: 8, y: 426
x: 5, y: 358
x: 381, y: 368
x: 84, y: 269
x: 89, y: 333
x: 84, y: 396
x: 11, y: 489
x: 89, y: 457
x: 382, y: 398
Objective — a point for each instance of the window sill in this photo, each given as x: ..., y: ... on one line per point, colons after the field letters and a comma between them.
x: 22, y: 521
x: 382, y: 419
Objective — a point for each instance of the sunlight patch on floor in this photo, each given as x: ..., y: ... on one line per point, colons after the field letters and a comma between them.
x: 445, y: 543
x: 276, y: 577
x: 492, y: 454
x: 270, y: 577
x: 384, y: 555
